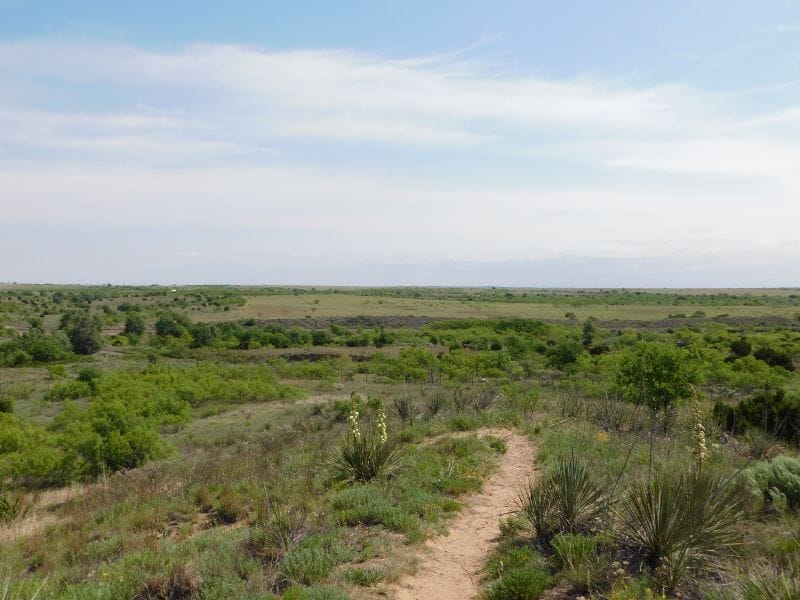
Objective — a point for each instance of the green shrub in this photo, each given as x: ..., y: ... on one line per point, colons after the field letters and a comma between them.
x: 306, y: 565
x: 6, y: 404
x: 510, y: 557
x: 364, y: 576
x: 776, y: 482
x: 521, y: 583
x: 9, y: 508
x: 68, y: 390
x: 656, y: 374
x: 774, y: 412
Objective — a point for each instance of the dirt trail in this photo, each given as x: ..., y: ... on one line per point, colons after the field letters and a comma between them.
x: 452, y: 565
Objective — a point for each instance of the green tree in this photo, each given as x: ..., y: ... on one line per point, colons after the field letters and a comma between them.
x: 656, y: 374
x: 134, y: 326
x: 564, y: 355
x: 83, y: 331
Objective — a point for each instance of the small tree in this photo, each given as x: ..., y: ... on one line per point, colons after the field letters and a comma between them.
x: 134, y: 326
x: 83, y: 331
x: 656, y: 374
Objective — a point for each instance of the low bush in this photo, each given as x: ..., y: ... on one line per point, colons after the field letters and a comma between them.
x: 777, y: 482
x: 520, y: 583
x: 775, y: 412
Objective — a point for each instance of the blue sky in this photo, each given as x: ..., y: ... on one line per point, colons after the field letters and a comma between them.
x: 464, y: 143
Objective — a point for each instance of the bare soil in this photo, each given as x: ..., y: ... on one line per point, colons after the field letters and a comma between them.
x: 452, y: 564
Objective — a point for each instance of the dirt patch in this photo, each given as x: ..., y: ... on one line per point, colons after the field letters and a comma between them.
x: 452, y: 564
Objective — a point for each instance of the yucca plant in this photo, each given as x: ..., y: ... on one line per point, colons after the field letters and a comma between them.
x: 770, y: 586
x: 578, y: 500
x: 536, y: 505
x: 364, y: 456
x: 567, y: 500
x: 680, y: 521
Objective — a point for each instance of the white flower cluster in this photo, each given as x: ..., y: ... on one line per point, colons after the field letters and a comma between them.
x: 700, y: 450
x: 382, y: 434
x: 352, y: 421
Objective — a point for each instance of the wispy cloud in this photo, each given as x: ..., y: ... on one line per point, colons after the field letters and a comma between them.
x: 238, y: 139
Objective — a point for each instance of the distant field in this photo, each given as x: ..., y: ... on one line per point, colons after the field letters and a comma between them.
x: 348, y: 305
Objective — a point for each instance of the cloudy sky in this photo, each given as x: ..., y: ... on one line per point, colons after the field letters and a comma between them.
x: 614, y: 143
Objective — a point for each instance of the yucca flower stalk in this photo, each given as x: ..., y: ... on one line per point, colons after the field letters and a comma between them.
x: 352, y: 420
x: 362, y: 457
x: 699, y: 449
x: 383, y: 436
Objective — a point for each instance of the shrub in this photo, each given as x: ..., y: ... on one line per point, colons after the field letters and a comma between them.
x: 9, y: 509
x: 775, y: 358
x: 656, y: 374
x: 404, y: 407
x: 679, y: 522
x: 306, y: 565
x: 6, y: 404
x: 536, y: 504
x: 512, y: 557
x: 774, y: 412
x: 776, y: 481
x: 364, y: 577
x: 83, y: 331
x: 760, y: 444
x: 67, y: 390
x: 519, y: 584
x: 134, y: 326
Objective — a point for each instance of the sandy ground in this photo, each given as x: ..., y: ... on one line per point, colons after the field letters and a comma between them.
x: 451, y: 567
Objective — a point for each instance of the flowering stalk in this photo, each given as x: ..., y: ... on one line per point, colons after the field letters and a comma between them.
x: 699, y: 450
x: 352, y: 421
x: 381, y: 425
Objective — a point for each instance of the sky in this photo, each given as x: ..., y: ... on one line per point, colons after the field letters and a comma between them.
x: 573, y: 144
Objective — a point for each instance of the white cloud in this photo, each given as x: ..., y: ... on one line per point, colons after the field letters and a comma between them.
x: 207, y: 136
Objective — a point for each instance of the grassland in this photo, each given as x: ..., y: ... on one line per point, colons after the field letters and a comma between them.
x: 198, y: 459
x: 349, y: 305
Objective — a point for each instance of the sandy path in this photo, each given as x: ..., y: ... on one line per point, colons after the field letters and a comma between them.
x: 452, y: 565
